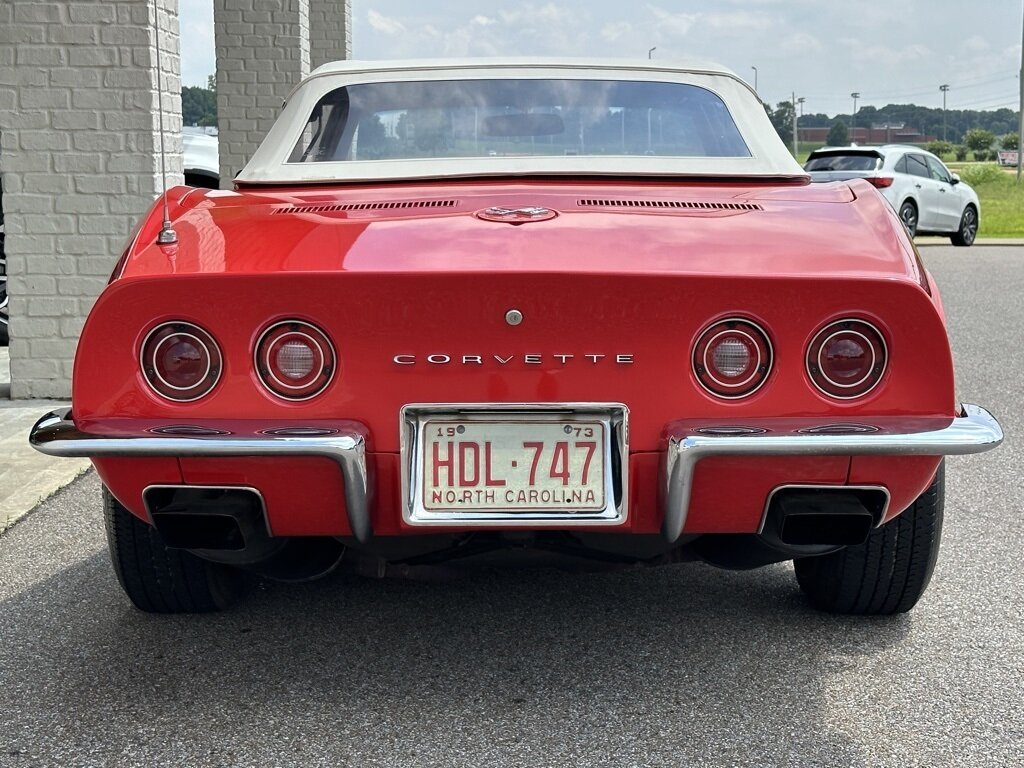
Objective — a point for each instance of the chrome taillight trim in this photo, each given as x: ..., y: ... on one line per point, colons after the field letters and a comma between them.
x: 821, y: 348
x: 767, y: 363
x: 328, y: 358
x: 177, y: 328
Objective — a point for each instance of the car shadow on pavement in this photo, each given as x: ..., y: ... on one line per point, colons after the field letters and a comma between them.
x: 659, y: 666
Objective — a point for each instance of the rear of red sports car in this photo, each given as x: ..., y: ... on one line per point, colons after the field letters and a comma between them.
x: 742, y: 372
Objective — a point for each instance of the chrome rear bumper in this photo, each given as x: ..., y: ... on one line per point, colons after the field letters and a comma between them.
x: 975, y: 431
x: 56, y: 435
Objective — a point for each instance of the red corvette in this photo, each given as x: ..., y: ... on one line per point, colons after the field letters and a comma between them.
x: 591, y: 309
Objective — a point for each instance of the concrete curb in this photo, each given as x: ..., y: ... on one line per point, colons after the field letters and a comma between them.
x: 1011, y: 241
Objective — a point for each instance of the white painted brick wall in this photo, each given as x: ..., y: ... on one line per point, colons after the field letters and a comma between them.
x: 330, y: 31
x: 78, y: 162
x: 262, y: 52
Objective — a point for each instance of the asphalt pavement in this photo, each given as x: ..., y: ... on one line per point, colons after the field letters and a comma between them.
x: 681, y: 665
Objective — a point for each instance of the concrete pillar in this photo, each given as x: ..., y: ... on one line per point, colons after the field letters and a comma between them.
x: 330, y: 31
x: 78, y: 161
x: 262, y: 53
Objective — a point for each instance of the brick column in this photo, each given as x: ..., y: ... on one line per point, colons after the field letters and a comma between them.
x: 78, y: 161
x: 330, y: 31
x: 262, y: 53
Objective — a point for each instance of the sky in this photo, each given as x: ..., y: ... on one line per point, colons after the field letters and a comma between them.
x: 890, y: 51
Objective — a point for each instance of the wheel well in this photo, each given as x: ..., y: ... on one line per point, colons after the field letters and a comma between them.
x: 912, y: 201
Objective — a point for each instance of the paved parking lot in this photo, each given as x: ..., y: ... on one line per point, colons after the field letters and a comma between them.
x: 683, y: 665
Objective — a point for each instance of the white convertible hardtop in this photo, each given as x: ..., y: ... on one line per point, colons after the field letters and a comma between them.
x: 768, y: 157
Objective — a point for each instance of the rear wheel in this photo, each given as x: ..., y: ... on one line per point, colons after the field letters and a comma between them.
x: 158, y: 579
x: 886, y: 574
x: 908, y: 215
x: 968, y: 228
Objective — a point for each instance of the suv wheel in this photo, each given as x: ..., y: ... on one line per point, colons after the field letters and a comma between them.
x: 968, y: 228
x: 908, y: 215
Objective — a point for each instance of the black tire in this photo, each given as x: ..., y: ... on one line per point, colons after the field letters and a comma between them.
x: 886, y: 574
x: 908, y: 215
x: 162, y: 580
x: 964, y: 236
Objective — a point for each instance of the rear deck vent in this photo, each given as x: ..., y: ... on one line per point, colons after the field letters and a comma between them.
x: 673, y: 204
x: 378, y: 206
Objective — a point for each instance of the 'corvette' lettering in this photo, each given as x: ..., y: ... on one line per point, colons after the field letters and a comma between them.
x: 441, y: 358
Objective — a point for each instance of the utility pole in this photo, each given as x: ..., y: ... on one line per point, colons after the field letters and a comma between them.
x: 1020, y: 134
x: 755, y: 79
x: 650, y: 52
x: 796, y: 130
x: 853, y: 117
x: 945, y: 90
x: 796, y: 145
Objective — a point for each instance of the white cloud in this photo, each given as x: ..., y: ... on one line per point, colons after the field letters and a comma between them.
x: 801, y: 43
x: 381, y: 23
x: 675, y: 24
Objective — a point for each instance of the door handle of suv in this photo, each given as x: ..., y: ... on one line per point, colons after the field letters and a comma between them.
x: 918, y: 186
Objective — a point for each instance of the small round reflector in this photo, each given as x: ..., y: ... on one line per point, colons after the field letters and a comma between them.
x: 180, y: 361
x: 295, y: 360
x: 732, y: 358
x: 846, y: 359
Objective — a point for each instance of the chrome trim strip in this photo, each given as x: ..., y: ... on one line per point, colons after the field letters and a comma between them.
x: 975, y: 431
x: 614, y: 415
x: 55, y: 434
x: 186, y: 487
x: 824, y: 487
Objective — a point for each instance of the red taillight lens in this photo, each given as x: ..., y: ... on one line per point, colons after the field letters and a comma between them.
x: 881, y: 181
x: 847, y: 358
x: 732, y: 358
x: 180, y: 361
x: 295, y: 360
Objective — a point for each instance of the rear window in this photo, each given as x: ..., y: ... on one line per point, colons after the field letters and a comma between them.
x: 511, y: 117
x: 843, y: 162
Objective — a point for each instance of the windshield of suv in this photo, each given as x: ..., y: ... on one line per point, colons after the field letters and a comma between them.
x: 843, y: 162
x: 509, y: 118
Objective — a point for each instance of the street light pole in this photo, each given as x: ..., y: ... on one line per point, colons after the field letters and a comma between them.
x: 945, y: 90
x: 755, y: 79
x: 853, y: 117
x: 650, y: 52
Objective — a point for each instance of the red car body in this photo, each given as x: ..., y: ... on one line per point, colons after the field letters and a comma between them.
x: 413, y: 282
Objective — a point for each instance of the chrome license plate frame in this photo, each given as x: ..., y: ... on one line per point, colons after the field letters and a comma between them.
x: 613, y: 417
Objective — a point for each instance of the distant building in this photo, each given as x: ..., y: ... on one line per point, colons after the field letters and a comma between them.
x: 878, y: 133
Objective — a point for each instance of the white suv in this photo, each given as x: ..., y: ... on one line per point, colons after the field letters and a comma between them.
x: 929, y: 199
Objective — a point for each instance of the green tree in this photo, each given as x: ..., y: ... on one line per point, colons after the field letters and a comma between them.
x: 939, y: 147
x: 782, y: 119
x: 979, y: 140
x: 838, y: 135
x: 1010, y: 141
x: 198, y: 106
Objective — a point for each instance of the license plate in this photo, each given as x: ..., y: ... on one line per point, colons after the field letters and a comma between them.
x: 513, y: 466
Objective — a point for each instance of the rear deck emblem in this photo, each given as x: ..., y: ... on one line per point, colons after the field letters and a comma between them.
x: 516, y: 215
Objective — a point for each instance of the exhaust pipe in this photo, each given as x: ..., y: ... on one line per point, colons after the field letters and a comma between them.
x: 800, y: 521
x: 230, y: 522
x: 823, y: 516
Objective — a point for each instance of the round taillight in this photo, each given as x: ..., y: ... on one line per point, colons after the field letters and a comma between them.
x: 732, y: 358
x: 180, y: 361
x: 846, y: 359
x: 295, y: 360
